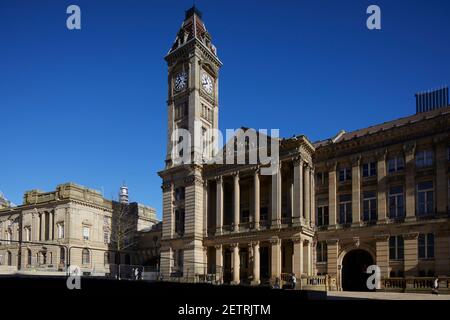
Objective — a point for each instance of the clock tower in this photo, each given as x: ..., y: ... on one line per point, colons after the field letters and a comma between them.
x: 192, y: 105
x: 193, y: 82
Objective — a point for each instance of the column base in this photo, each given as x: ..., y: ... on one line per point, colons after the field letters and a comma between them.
x: 218, y: 231
x: 296, y: 222
x: 276, y: 224
x: 235, y: 283
x: 255, y: 283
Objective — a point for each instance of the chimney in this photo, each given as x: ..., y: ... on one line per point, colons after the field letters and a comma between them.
x: 431, y: 100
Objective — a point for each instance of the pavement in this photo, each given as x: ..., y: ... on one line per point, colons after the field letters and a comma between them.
x: 349, y: 295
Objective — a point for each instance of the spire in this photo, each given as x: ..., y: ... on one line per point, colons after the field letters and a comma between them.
x: 193, y: 28
x: 193, y: 11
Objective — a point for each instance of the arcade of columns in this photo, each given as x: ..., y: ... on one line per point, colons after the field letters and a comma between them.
x: 293, y: 228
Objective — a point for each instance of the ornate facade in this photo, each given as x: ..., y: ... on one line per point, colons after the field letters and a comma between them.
x: 72, y: 225
x: 373, y: 196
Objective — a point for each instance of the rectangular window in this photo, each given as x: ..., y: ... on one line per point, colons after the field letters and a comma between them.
x: 105, y: 237
x: 370, y: 206
x: 27, y: 233
x: 424, y: 158
x: 345, y: 174
x: 369, y: 169
x: 86, y: 233
x: 396, y: 164
x: 322, y: 216
x: 179, y: 222
x: 60, y: 227
x: 425, y: 198
x: 321, y: 251
x: 180, y: 193
x: 322, y: 178
x: 345, y: 209
x: 8, y: 237
x: 396, y: 248
x: 426, y: 246
x: 396, y: 202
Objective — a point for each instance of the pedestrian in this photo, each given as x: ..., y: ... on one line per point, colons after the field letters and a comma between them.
x: 294, y: 281
x: 136, y: 274
x: 277, y: 284
x: 435, y: 289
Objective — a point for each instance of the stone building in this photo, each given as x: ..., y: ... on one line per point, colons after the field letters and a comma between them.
x: 373, y: 196
x: 72, y: 225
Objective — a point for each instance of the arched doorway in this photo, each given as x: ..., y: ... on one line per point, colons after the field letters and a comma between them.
x: 354, y: 267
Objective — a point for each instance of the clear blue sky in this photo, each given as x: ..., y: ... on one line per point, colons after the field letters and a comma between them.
x: 89, y: 106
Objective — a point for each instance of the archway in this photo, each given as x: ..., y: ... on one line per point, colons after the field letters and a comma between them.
x: 354, y: 266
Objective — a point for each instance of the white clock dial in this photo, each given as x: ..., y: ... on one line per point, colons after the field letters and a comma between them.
x: 207, y: 83
x: 180, y: 81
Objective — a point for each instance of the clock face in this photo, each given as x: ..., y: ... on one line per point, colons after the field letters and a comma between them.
x: 180, y: 81
x: 207, y: 83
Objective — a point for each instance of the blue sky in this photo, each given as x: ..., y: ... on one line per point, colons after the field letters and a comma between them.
x: 89, y: 106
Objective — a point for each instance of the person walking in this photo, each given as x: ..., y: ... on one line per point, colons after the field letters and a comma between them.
x: 277, y: 284
x: 293, y: 281
x: 435, y: 289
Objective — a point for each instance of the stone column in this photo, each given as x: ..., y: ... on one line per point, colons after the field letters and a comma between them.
x: 411, y: 254
x: 309, y: 244
x: 219, y: 263
x: 297, y: 259
x: 332, y: 201
x: 276, y: 198
x: 381, y: 187
x: 382, y: 252
x: 219, y: 205
x: 298, y: 191
x: 34, y: 227
x: 441, y: 175
x: 256, y: 264
x: 256, y: 199
x: 237, y: 204
x: 275, y: 258
x: 236, y: 264
x: 313, y: 198
x: 42, y: 224
x: 206, y: 208
x: 410, y: 192
x: 356, y: 191
x: 307, y: 194
x: 168, y: 214
x: 50, y: 226
x: 332, y: 260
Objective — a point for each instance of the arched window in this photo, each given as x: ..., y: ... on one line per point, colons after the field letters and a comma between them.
x: 29, y: 257
x: 62, y: 256
x: 85, y: 257
x: 9, y: 258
